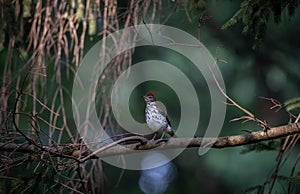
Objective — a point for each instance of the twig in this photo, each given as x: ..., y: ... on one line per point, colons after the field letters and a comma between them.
x: 126, y: 139
x: 66, y: 186
x: 298, y: 118
x: 279, y: 106
x: 82, y: 182
x: 249, y: 116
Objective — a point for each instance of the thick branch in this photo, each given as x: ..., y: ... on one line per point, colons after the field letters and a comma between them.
x: 221, y: 142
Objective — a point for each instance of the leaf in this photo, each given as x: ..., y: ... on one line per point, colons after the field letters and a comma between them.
x: 292, y: 104
x: 262, y: 146
x: 237, y: 16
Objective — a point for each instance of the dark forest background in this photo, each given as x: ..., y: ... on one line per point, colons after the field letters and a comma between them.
x: 42, y: 43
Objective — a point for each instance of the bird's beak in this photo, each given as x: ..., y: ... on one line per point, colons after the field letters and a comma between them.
x: 145, y: 98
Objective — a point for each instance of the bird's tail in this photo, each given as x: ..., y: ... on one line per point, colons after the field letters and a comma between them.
x: 171, y: 133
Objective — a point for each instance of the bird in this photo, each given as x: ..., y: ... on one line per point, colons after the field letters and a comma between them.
x: 156, y: 118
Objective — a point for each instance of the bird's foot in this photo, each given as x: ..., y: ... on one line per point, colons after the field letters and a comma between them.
x: 161, y: 140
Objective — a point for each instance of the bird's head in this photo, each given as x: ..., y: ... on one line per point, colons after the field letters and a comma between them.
x: 150, y: 97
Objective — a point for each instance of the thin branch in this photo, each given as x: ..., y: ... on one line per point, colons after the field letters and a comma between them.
x: 249, y: 116
x: 70, y: 188
x: 82, y: 182
x: 279, y: 106
x: 142, y: 140
x: 298, y: 119
x: 42, y: 104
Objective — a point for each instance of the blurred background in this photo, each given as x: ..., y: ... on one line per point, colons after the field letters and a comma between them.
x: 258, y: 62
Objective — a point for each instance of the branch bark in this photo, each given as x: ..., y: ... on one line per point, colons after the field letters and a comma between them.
x: 220, y: 142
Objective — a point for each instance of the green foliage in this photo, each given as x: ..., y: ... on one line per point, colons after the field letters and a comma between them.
x: 292, y: 104
x: 294, y: 179
x: 27, y: 8
x: 255, y: 16
x: 199, y: 4
x: 262, y: 146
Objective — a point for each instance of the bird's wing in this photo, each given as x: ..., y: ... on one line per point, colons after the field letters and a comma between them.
x: 165, y: 115
x: 168, y: 120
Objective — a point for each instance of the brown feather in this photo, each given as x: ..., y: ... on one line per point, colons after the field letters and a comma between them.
x: 168, y: 120
x: 151, y: 94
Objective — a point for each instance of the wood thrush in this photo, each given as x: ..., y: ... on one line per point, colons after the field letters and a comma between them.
x: 156, y: 118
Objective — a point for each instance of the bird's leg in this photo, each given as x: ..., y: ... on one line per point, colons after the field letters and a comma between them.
x: 155, y: 134
x: 163, y: 134
x: 161, y: 138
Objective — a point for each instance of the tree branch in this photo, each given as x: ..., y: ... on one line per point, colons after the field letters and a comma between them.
x: 221, y: 142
